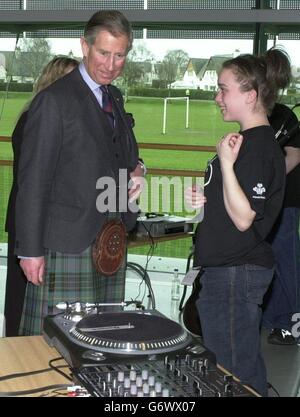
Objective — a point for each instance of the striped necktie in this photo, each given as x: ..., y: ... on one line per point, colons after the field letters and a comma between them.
x: 107, y: 105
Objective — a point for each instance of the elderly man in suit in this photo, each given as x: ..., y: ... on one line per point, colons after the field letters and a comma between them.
x: 76, y: 133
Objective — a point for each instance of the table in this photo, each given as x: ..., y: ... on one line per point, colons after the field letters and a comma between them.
x: 25, y: 354
x: 135, y: 241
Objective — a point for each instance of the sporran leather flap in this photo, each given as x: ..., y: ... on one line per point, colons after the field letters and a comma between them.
x: 109, y: 247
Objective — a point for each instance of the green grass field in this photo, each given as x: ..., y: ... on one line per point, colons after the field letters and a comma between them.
x: 205, y: 128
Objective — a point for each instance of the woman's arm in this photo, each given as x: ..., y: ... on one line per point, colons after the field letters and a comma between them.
x: 235, y: 200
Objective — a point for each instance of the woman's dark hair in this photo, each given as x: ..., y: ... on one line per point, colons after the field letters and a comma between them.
x: 112, y: 21
x: 266, y: 74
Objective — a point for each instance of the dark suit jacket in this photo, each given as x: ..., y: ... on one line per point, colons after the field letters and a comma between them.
x: 15, y: 278
x: 68, y: 145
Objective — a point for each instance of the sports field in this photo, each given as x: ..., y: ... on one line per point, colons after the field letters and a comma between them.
x: 205, y: 128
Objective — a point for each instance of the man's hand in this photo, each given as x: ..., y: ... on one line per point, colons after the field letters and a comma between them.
x: 137, y: 183
x: 34, y: 269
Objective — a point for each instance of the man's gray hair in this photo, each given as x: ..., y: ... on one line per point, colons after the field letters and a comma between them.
x: 111, y: 21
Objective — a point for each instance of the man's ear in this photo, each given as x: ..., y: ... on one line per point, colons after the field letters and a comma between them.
x: 84, y: 47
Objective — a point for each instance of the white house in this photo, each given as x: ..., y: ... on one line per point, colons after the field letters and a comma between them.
x: 191, y: 75
x: 202, y: 73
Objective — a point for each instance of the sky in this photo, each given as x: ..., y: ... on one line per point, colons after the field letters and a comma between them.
x: 196, y: 48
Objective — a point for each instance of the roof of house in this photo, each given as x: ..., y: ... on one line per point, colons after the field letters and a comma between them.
x: 197, y: 63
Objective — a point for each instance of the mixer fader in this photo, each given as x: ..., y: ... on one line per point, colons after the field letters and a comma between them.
x: 180, y: 376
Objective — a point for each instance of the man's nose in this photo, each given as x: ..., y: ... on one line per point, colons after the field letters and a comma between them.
x: 110, y: 63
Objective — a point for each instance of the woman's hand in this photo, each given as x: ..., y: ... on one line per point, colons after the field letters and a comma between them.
x: 228, y: 148
x: 194, y: 197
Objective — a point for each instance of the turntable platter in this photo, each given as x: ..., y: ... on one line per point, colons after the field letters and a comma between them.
x: 130, y: 333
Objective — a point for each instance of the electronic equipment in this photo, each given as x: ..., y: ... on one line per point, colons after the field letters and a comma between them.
x: 156, y: 225
x: 135, y: 353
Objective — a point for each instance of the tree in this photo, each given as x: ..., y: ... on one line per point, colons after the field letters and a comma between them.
x: 173, y: 66
x: 31, y: 57
x: 137, y: 64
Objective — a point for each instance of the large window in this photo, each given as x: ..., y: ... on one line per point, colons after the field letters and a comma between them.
x: 176, y: 60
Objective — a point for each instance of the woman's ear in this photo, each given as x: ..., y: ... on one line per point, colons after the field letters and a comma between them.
x: 251, y: 96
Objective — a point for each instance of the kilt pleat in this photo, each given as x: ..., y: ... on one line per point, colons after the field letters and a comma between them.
x: 69, y: 278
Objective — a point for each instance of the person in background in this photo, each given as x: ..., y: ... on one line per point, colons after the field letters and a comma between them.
x: 76, y: 135
x: 243, y: 196
x: 15, y: 279
x: 283, y: 297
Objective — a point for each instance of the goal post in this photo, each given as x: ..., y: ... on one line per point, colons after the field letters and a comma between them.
x: 187, y: 99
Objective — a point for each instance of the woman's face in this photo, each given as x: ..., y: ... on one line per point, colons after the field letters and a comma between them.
x: 232, y: 101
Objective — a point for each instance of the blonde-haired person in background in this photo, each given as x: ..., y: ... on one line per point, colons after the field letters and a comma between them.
x: 55, y: 69
x: 15, y: 279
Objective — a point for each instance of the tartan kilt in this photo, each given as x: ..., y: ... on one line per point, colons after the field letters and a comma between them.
x: 69, y: 278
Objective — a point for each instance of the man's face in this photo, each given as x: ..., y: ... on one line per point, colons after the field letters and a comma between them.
x: 105, y: 59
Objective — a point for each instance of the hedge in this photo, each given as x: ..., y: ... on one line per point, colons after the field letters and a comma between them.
x: 13, y: 86
x: 165, y: 92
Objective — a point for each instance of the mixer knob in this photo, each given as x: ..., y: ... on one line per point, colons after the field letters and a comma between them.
x: 127, y: 383
x: 146, y: 388
x: 177, y: 372
x: 152, y: 393
x: 140, y: 394
x: 133, y: 389
x: 151, y: 380
x: 144, y: 374
x: 165, y: 392
x: 132, y: 375
x: 120, y: 376
x: 157, y: 387
x: 139, y: 381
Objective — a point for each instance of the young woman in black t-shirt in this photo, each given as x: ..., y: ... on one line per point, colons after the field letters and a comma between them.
x: 244, y: 189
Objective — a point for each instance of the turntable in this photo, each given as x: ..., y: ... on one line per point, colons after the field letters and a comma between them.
x: 83, y: 334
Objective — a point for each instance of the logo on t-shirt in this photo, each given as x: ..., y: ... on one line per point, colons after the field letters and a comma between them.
x: 260, y: 190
